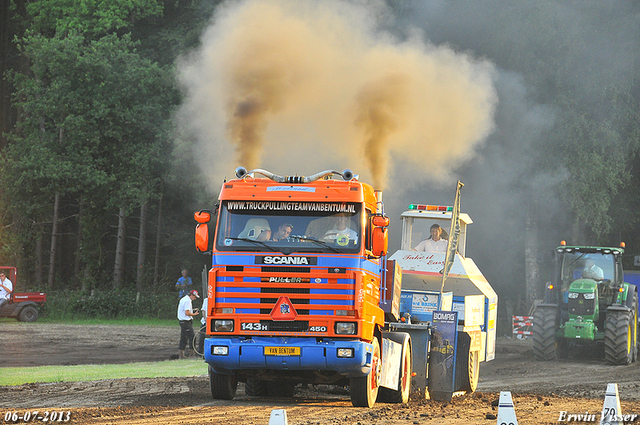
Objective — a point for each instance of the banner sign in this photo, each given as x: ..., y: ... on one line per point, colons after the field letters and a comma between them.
x: 444, y: 332
x: 329, y: 207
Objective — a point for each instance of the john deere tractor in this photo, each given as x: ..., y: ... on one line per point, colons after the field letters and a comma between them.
x: 586, y: 303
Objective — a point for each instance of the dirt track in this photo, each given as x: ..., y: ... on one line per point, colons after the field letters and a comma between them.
x: 540, y: 390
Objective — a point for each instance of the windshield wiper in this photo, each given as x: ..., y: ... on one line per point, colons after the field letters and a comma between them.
x: 316, y: 241
x: 269, y: 247
x: 581, y: 255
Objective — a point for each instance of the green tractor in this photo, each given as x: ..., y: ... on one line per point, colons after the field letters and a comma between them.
x: 587, y: 302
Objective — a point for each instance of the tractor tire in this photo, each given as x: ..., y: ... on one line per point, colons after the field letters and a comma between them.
x: 618, y: 337
x: 470, y: 379
x: 401, y: 395
x: 223, y: 387
x: 256, y: 388
x: 467, y: 364
x: 635, y: 326
x: 364, y: 389
x: 28, y: 314
x: 545, y: 346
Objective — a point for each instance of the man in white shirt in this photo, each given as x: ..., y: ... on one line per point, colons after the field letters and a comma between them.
x: 185, y: 316
x: 591, y: 271
x: 203, y: 327
x: 340, y: 232
x: 6, y: 288
x: 435, y: 243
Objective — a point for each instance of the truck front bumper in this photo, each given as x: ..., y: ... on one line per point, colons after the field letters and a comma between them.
x: 251, y: 353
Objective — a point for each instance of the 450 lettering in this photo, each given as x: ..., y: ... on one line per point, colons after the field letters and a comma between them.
x: 317, y: 329
x: 253, y: 327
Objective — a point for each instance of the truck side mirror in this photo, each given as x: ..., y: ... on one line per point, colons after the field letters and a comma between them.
x: 380, y: 241
x: 203, y: 217
x: 380, y: 221
x: 202, y: 237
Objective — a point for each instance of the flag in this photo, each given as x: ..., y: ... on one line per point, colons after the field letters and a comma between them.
x: 454, y: 236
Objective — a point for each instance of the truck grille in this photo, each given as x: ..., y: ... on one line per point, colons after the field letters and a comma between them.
x: 581, y: 307
x: 285, y: 269
x: 255, y: 291
x: 297, y: 326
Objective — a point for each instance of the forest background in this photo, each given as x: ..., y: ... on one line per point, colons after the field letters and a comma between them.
x: 99, y: 179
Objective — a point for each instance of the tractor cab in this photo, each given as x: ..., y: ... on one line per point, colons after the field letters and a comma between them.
x: 587, y: 281
x: 587, y: 303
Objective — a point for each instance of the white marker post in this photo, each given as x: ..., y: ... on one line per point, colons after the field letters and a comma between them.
x: 506, y: 412
x: 611, y: 411
x: 278, y: 417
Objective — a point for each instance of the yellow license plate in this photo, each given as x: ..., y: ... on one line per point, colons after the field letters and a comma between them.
x: 281, y: 351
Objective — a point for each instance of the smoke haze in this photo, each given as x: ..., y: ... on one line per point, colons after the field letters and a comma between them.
x: 296, y: 87
x: 412, y: 95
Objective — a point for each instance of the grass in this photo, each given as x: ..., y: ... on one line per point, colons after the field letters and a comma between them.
x: 164, y: 369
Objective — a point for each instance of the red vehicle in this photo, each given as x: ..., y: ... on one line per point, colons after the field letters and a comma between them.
x: 22, y: 305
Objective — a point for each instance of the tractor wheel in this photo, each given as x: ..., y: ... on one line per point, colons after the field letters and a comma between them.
x: 634, y: 324
x: 28, y: 314
x: 545, y: 346
x: 401, y: 395
x: 618, y: 337
x: 256, y: 388
x: 470, y: 379
x: 364, y: 389
x: 223, y: 387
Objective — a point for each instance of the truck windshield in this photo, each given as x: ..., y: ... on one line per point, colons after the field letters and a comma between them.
x: 289, y: 226
x: 576, y: 265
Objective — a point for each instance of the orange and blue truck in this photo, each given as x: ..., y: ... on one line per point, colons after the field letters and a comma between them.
x: 301, y: 290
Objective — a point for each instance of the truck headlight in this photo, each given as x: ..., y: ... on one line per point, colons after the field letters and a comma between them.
x: 345, y: 352
x: 218, y: 350
x: 572, y: 295
x: 590, y: 296
x: 345, y: 328
x: 223, y: 326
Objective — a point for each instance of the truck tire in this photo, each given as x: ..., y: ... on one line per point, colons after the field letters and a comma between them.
x: 618, y: 337
x: 545, y: 346
x: 28, y: 314
x: 223, y: 387
x: 256, y: 388
x: 387, y: 395
x: 364, y: 389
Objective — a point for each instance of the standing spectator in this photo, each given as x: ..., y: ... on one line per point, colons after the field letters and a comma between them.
x: 203, y: 327
x: 183, y: 285
x: 185, y: 316
x: 6, y: 288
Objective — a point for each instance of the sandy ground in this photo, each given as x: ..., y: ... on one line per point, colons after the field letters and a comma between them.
x: 541, y: 390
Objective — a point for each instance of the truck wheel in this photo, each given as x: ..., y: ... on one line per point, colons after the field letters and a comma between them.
x: 404, y: 383
x: 223, y: 387
x: 28, y: 314
x: 618, y: 337
x: 364, y: 389
x: 545, y: 346
x: 256, y: 388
